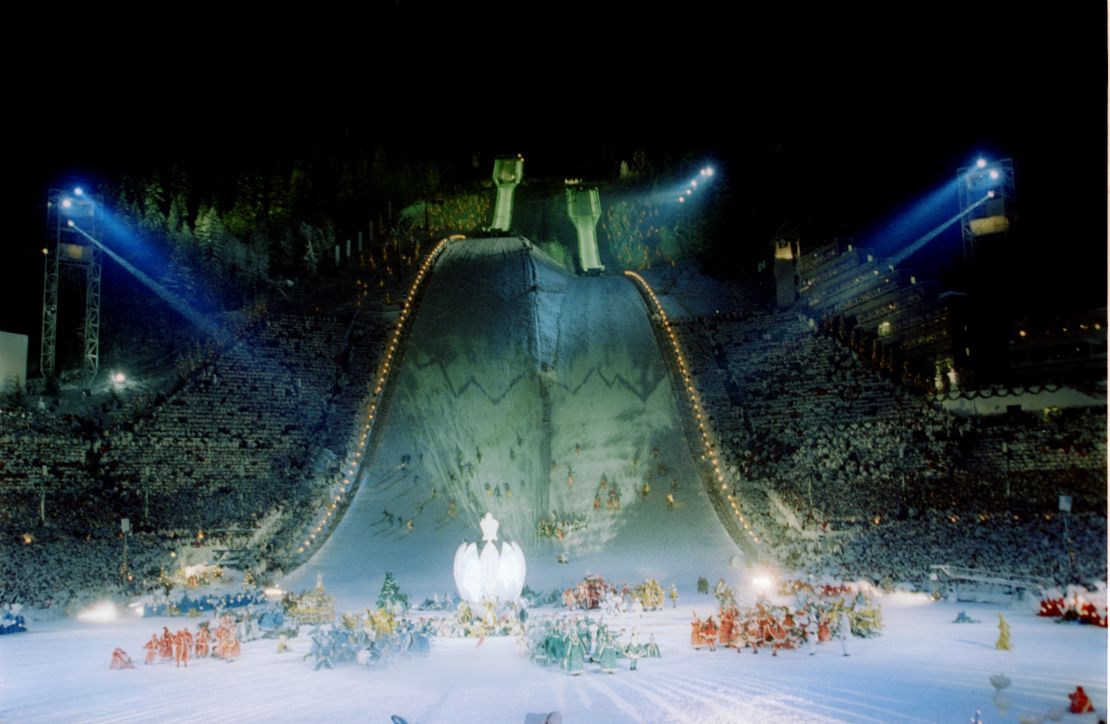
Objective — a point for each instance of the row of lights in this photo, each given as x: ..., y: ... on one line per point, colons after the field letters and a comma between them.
x: 703, y: 176
x: 710, y: 453
x: 371, y: 408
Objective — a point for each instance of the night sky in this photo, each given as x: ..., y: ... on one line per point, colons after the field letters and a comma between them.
x: 842, y: 119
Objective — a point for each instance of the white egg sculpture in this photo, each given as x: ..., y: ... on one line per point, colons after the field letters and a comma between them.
x: 492, y: 575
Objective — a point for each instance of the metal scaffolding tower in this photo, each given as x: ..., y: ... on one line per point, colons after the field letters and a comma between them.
x: 995, y: 215
x: 71, y: 255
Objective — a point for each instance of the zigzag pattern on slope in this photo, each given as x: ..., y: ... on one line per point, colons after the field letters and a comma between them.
x: 472, y: 381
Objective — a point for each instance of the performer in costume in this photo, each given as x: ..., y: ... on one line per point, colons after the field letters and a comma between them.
x: 709, y: 631
x: 203, y: 641
x: 151, y: 647
x: 120, y: 660
x: 575, y: 660
x: 183, y: 644
x: 697, y: 636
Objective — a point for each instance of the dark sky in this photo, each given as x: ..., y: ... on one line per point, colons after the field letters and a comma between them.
x: 848, y: 115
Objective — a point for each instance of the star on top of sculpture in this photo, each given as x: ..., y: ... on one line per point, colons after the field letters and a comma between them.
x: 489, y: 527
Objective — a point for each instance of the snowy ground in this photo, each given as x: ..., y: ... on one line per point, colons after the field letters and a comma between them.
x: 922, y: 669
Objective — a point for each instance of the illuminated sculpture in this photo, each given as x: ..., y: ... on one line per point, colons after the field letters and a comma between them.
x: 494, y: 575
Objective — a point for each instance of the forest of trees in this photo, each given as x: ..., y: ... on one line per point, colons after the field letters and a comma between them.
x: 223, y: 239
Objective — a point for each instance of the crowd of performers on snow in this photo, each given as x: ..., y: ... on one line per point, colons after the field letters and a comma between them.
x: 187, y: 644
x: 816, y: 615
x: 602, y: 626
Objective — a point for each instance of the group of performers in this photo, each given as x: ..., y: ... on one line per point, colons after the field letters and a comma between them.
x: 814, y: 619
x: 184, y: 644
x: 764, y: 626
x: 573, y: 643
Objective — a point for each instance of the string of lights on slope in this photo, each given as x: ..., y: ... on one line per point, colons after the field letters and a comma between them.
x: 368, y: 412
x: 709, y: 451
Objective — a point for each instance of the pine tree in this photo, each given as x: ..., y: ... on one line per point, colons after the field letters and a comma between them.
x: 391, y: 598
x: 1003, y: 643
x: 154, y: 219
x: 311, y: 257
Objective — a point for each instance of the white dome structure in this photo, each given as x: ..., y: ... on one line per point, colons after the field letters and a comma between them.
x: 494, y: 575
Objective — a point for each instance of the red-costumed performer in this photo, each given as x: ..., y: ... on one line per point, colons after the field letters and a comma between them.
x: 203, y: 641
x: 776, y: 634
x: 183, y: 645
x: 728, y: 623
x: 1080, y: 702
x: 165, y: 646
x: 151, y: 647
x: 227, y: 647
x: 754, y: 633
x: 697, y: 637
x: 120, y: 660
x: 824, y: 635
x: 709, y: 631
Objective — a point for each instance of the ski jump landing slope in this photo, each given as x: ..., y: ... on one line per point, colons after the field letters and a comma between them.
x: 525, y: 391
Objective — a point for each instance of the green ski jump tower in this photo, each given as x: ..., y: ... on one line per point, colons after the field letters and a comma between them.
x: 584, y: 209
x: 507, y: 173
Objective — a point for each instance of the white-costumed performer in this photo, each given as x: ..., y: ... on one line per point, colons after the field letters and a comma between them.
x: 845, y: 630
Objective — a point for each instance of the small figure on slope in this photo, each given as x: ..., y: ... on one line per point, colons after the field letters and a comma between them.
x: 575, y: 660
x: 1003, y: 642
x: 1080, y: 702
x: 151, y: 647
x: 634, y: 650
x: 845, y: 630
x: 728, y: 621
x: 165, y: 645
x: 674, y: 596
x: 709, y: 632
x: 183, y: 644
x: 203, y: 642
x: 824, y: 635
x: 120, y: 660
x: 606, y: 654
x: 697, y: 635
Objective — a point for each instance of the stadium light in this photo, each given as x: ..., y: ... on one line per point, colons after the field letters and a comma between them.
x: 981, y: 163
x: 994, y: 173
x: 66, y: 203
x: 78, y: 191
x: 119, y: 378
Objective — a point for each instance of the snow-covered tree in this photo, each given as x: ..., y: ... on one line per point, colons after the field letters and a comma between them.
x: 391, y: 598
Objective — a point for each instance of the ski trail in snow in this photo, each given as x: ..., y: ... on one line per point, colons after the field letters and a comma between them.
x: 610, y: 693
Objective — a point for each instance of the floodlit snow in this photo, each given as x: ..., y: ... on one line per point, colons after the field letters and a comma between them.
x: 535, y: 382
x: 922, y: 669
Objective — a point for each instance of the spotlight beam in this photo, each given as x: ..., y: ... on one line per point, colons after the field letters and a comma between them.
x: 934, y: 233
x: 186, y: 311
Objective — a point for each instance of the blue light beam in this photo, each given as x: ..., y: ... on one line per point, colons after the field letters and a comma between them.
x: 202, y: 322
x: 934, y: 233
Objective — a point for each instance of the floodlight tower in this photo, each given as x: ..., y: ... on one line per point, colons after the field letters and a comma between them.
x: 507, y: 172
x: 584, y: 210
x: 67, y: 249
x: 994, y: 217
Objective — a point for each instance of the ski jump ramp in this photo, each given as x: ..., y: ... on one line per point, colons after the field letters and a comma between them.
x: 542, y: 398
